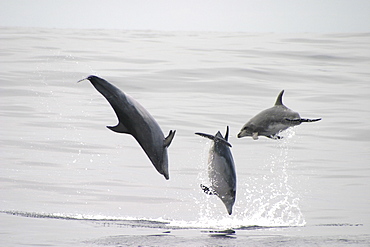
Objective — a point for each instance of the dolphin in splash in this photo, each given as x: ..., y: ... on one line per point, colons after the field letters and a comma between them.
x: 272, y: 121
x: 135, y: 120
x: 221, y: 170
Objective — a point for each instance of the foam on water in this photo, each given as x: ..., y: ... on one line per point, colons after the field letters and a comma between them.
x: 271, y: 200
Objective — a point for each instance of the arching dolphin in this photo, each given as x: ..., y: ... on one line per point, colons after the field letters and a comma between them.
x: 221, y: 170
x: 272, y: 121
x: 135, y: 120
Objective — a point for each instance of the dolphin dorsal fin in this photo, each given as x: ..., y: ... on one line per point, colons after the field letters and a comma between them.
x: 279, y: 99
x: 227, y: 134
x: 167, y: 141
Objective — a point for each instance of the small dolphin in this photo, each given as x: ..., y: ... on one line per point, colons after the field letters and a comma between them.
x: 272, y: 121
x: 221, y: 170
x: 135, y: 120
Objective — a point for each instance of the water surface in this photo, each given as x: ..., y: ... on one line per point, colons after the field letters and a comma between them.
x: 67, y: 180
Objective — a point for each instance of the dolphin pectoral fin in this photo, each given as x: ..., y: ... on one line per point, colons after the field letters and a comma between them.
x: 167, y: 141
x: 222, y: 141
x: 207, y: 190
x: 206, y: 135
x: 119, y: 128
x: 214, y: 138
x: 255, y: 135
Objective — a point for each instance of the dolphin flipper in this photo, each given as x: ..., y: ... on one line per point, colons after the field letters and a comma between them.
x: 214, y: 138
x: 167, y: 141
x: 119, y: 128
x: 208, y: 190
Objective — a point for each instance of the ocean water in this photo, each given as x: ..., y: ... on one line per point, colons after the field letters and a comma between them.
x: 66, y: 180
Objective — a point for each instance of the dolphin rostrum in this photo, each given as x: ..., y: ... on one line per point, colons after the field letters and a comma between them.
x: 135, y: 120
x: 221, y: 170
x: 272, y: 121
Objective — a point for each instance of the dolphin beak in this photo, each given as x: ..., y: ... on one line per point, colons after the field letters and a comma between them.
x: 230, y: 209
x: 242, y: 133
x: 82, y: 80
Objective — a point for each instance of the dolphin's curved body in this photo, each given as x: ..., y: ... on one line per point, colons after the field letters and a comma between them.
x: 272, y: 121
x: 221, y: 170
x: 135, y: 120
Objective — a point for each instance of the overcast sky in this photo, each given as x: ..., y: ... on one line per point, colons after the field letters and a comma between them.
x: 191, y: 15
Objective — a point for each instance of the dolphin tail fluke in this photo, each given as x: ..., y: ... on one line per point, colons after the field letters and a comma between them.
x: 310, y: 120
x: 167, y: 141
x: 227, y: 134
x: 303, y: 120
x: 279, y: 99
x: 214, y: 138
x: 208, y: 190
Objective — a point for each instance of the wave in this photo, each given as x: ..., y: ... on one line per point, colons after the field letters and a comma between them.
x: 130, y: 221
x: 219, y: 225
x: 225, y: 226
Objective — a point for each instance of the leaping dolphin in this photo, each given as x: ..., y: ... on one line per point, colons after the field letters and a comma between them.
x: 272, y: 121
x: 135, y: 120
x: 221, y: 170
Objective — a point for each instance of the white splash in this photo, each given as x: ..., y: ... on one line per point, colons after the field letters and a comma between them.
x: 268, y: 199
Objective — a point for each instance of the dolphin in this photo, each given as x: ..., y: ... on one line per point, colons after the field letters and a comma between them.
x: 135, y: 120
x: 272, y: 121
x: 221, y: 170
